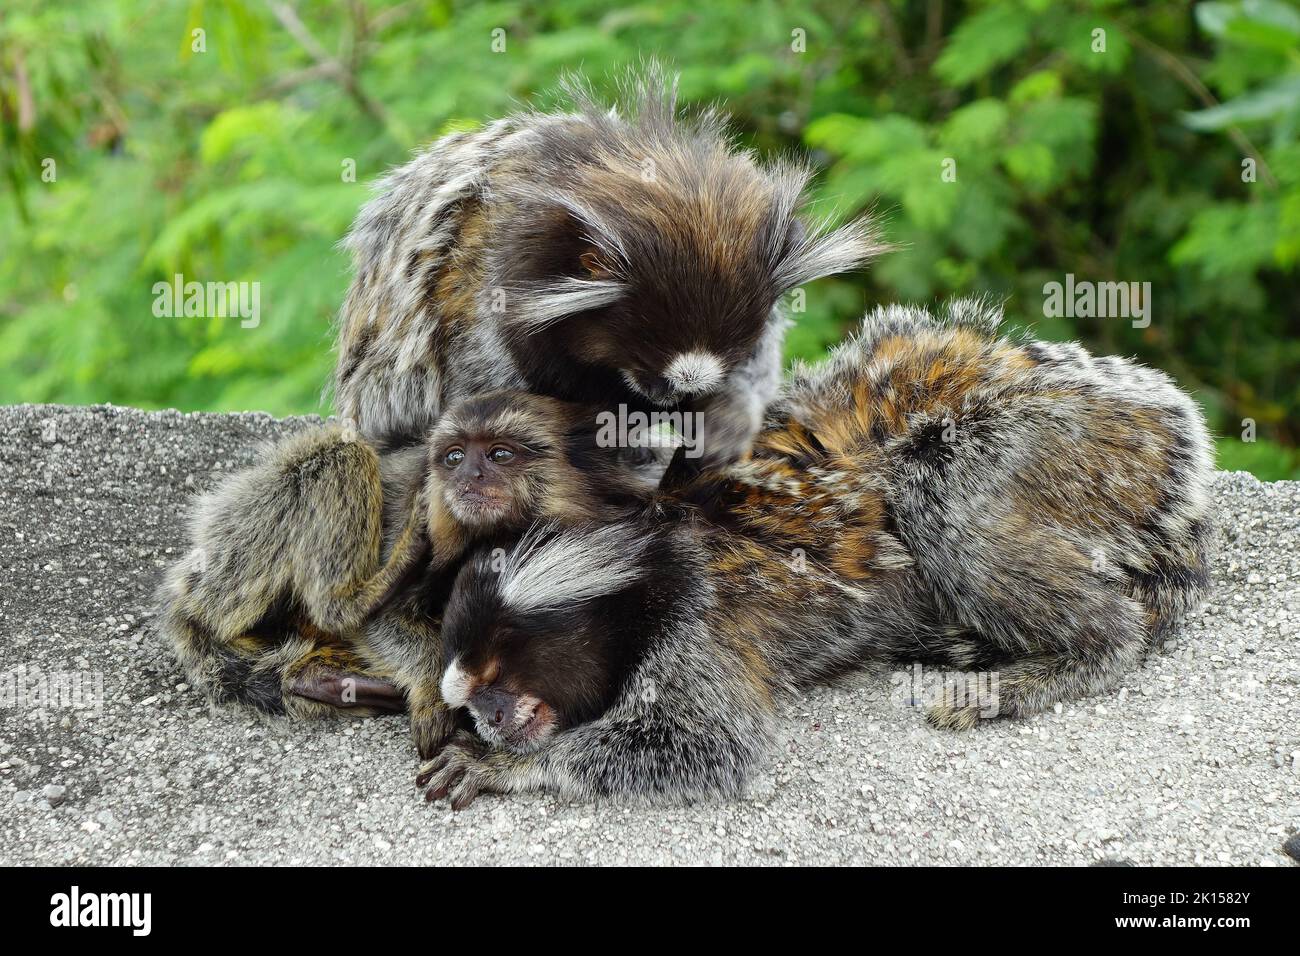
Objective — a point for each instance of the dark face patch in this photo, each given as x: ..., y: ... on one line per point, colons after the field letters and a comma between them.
x: 566, y: 658
x: 695, y: 234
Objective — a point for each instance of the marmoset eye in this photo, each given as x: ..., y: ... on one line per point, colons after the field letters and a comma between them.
x: 453, y: 457
x: 501, y: 454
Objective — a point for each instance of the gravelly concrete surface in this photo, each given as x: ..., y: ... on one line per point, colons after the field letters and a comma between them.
x: 1196, y: 760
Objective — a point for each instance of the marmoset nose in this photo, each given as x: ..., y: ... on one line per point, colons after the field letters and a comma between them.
x: 495, y: 707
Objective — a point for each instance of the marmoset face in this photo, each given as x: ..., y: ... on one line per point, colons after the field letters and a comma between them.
x: 523, y: 675
x: 539, y: 641
x: 481, y: 479
x: 665, y: 373
x: 495, y: 457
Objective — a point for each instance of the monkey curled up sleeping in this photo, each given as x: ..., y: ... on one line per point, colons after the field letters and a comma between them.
x: 953, y: 497
x: 317, y: 577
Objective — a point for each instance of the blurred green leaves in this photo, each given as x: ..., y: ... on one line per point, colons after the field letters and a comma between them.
x: 1003, y: 144
x: 983, y: 41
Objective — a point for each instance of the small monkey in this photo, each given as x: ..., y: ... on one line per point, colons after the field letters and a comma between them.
x: 500, y: 461
x: 631, y: 255
x: 317, y: 577
x: 931, y: 492
x: 496, y: 464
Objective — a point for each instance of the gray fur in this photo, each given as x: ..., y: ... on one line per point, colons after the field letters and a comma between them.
x: 452, y: 285
x: 301, y: 528
x: 981, y: 554
x: 328, y: 557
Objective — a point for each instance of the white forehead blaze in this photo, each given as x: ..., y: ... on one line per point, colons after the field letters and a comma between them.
x: 695, y: 373
x: 455, y: 685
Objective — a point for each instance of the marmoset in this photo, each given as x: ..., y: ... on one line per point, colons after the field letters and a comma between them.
x: 630, y: 255
x: 931, y: 492
x: 329, y: 563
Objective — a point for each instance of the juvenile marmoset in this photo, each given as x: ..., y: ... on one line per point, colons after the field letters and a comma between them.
x: 607, y: 255
x: 322, y: 564
x: 930, y: 492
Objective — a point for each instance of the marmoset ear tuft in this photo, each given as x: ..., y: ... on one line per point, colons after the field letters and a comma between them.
x: 812, y: 252
x: 541, y: 306
x: 552, y: 568
x: 596, y: 265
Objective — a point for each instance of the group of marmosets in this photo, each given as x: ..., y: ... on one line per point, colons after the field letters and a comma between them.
x: 558, y: 614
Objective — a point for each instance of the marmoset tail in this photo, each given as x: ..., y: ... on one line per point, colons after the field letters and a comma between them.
x: 931, y: 492
x: 597, y: 255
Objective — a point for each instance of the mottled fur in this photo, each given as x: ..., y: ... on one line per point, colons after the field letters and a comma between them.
x: 599, y: 255
x: 329, y: 557
x: 932, y: 492
x: 288, y: 558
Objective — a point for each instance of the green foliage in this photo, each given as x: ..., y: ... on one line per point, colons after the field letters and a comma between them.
x: 983, y: 42
x: 1004, y: 145
x: 1266, y: 460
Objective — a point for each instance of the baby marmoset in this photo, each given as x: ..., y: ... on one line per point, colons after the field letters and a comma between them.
x: 930, y: 492
x: 328, y: 563
x: 608, y: 255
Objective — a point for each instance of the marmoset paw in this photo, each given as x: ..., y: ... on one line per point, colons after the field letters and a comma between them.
x: 432, y: 726
x: 460, y: 772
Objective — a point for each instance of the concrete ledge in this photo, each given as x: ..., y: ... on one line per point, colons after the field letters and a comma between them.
x: 1196, y: 760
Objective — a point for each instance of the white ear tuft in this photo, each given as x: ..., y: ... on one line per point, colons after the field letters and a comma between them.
x: 550, y: 571
x: 822, y: 253
x: 536, y: 308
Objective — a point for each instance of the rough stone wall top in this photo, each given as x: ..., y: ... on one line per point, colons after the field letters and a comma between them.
x: 1195, y: 760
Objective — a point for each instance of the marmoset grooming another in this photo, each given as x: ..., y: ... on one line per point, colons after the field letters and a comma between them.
x: 321, y: 565
x: 597, y: 255
x: 931, y: 492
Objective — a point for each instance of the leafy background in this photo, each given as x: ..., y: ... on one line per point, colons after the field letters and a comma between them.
x: 227, y: 165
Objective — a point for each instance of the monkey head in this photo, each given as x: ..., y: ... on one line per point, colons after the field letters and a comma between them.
x: 646, y: 244
x: 541, y: 638
x: 502, y: 460
x: 490, y: 459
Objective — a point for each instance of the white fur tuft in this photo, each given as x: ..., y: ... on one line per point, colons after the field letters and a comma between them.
x: 455, y: 685
x: 823, y: 252
x: 695, y: 373
x: 540, y: 307
x: 549, y: 571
